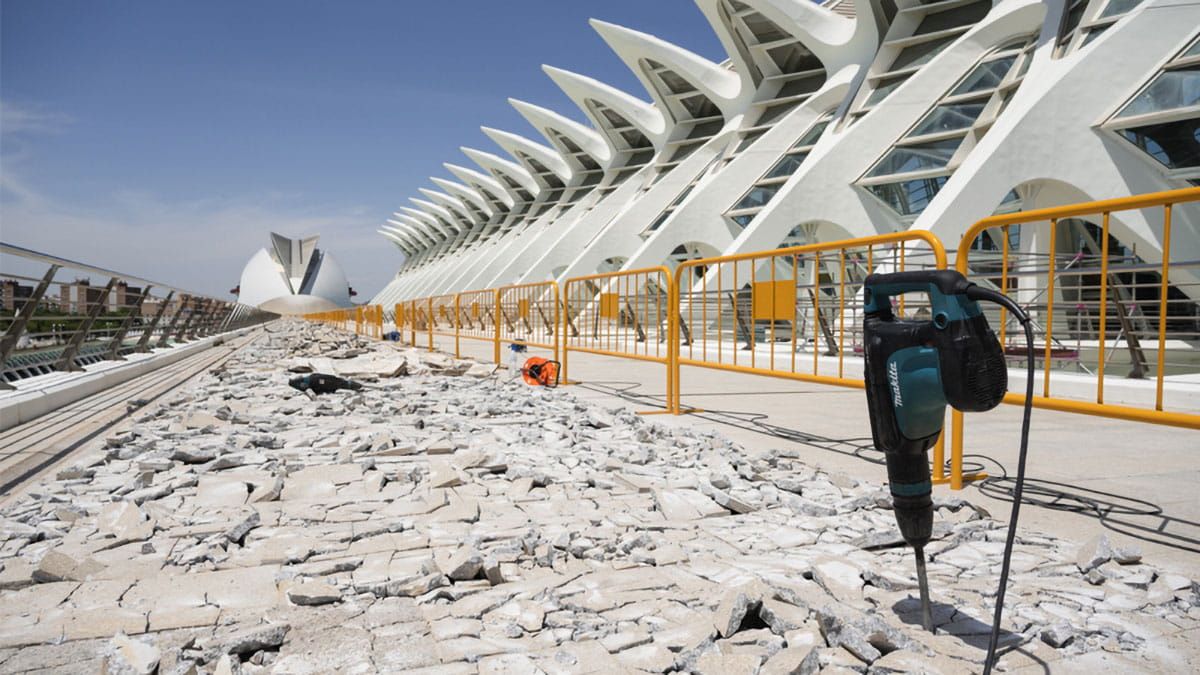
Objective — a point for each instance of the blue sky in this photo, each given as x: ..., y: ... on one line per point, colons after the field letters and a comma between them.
x: 166, y: 138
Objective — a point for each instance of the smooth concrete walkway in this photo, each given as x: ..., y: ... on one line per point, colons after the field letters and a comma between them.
x: 1138, y: 483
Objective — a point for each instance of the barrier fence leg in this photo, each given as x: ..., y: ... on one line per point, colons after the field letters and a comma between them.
x: 496, y: 334
x: 429, y: 321
x: 457, y: 326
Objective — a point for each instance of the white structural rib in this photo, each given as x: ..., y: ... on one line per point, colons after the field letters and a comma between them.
x: 428, y: 223
x: 408, y: 238
x: 414, y: 226
x: 453, y: 203
x: 522, y: 149
x: 481, y: 182
x: 443, y: 218
x: 400, y: 243
x: 836, y: 40
x: 498, y: 167
x: 555, y: 126
x: 400, y: 225
x: 722, y: 86
x: 464, y: 193
x: 587, y: 93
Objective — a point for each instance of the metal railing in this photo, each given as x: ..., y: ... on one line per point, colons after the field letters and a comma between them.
x: 793, y: 313
x: 480, y: 319
x: 75, y: 314
x: 1095, y: 308
x: 529, y: 314
x: 622, y: 314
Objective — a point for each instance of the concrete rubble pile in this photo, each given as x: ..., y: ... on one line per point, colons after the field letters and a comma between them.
x: 447, y: 518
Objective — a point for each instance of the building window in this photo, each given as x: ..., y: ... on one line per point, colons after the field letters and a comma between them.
x: 765, y: 188
x: 1162, y: 120
x: 1084, y: 22
x: 938, y: 28
x: 912, y: 172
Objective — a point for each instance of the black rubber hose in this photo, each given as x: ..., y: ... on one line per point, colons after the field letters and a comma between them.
x: 978, y: 293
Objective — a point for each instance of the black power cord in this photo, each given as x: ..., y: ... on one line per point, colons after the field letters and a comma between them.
x: 978, y: 293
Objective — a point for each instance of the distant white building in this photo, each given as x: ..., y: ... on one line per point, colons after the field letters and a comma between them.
x: 824, y: 122
x: 293, y: 276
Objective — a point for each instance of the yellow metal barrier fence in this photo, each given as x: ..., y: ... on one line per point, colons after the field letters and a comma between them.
x: 399, y: 318
x: 793, y: 313
x: 443, y: 317
x: 1096, y: 304
x: 621, y: 314
x: 479, y: 319
x: 529, y: 314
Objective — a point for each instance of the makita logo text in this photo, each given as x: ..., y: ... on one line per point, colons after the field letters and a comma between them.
x: 894, y: 381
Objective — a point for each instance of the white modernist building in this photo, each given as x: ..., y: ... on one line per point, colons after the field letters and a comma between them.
x: 293, y: 276
x: 827, y: 121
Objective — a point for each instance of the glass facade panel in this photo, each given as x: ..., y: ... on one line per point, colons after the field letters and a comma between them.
x: 614, y: 118
x: 1171, y: 89
x: 635, y: 138
x: 949, y: 118
x: 1116, y: 7
x: 985, y: 76
x: 1092, y: 35
x: 922, y: 157
x: 758, y: 196
x: 641, y: 157
x: 764, y: 29
x: 662, y: 218
x: 706, y: 128
x: 675, y: 83
x: 699, y: 106
x: 952, y: 18
x: 1194, y: 50
x: 909, y: 197
x: 683, y: 195
x: 921, y: 53
x: 884, y: 88
x: 749, y: 140
x: 794, y: 58
x: 786, y: 166
x: 810, y: 137
x: 804, y: 85
x: 1175, y: 144
x: 743, y: 219
x: 1074, y: 16
x: 774, y: 112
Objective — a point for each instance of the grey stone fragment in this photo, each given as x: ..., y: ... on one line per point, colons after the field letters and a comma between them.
x: 314, y: 593
x: 865, y: 636
x: 1094, y: 553
x: 75, y: 473
x: 734, y: 606
x: 250, y: 640
x: 133, y: 656
x: 782, y: 617
x: 419, y: 586
x: 465, y: 563
x: 193, y: 455
x: 792, y: 661
x: 239, y: 531
x: 1058, y: 636
x: 55, y: 566
x: 266, y: 493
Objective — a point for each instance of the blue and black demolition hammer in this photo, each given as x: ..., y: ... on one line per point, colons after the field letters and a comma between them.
x: 913, y: 368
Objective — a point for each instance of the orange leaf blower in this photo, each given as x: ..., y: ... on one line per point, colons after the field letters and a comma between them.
x: 540, y: 372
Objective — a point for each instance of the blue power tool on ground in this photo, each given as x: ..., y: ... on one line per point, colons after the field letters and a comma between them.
x: 913, y: 368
